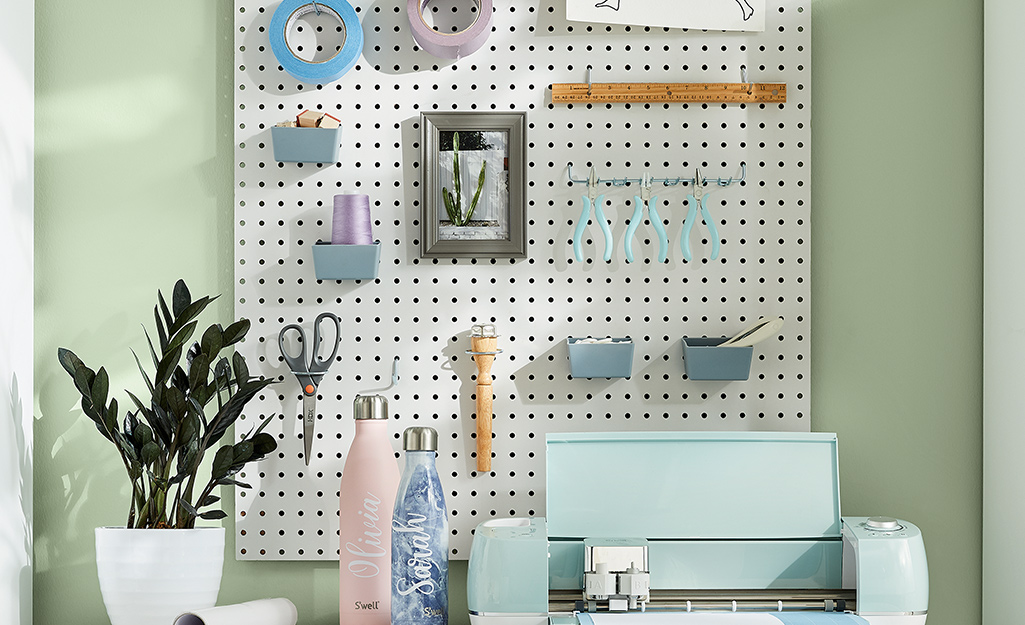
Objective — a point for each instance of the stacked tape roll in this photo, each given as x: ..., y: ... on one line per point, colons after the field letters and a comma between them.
x: 450, y: 45
x: 316, y: 72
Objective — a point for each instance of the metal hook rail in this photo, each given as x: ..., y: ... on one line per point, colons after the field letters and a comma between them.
x: 667, y: 182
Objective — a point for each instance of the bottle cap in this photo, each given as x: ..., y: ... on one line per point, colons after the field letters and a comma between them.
x: 370, y: 407
x: 420, y: 439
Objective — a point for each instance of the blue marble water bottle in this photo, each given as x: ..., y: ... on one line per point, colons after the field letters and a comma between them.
x: 419, y: 553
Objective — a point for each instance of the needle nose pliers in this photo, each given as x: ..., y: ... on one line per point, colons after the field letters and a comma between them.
x: 592, y: 199
x: 698, y: 198
x: 651, y: 203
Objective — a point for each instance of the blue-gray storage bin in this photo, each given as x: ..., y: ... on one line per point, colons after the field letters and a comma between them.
x: 703, y: 360
x: 306, y: 145
x: 601, y: 360
x: 346, y: 262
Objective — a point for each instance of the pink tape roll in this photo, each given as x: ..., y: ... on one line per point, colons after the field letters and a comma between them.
x: 450, y: 45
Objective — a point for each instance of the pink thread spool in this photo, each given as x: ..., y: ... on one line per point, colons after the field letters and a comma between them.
x: 350, y: 223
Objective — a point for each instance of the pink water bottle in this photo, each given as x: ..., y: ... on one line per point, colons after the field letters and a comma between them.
x: 367, y: 497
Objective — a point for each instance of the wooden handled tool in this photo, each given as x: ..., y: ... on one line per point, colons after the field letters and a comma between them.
x: 484, y: 348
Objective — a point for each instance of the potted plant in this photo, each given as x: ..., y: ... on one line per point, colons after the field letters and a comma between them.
x: 159, y: 564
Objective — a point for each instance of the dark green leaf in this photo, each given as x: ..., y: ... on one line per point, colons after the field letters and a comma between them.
x: 188, y: 507
x: 152, y: 351
x: 213, y: 339
x: 263, y: 444
x: 242, y: 452
x: 176, y: 403
x: 199, y: 371
x: 241, y: 370
x: 222, y: 374
x: 213, y: 515
x: 126, y: 445
x: 191, y: 312
x: 180, y: 380
x: 69, y: 360
x: 235, y: 332
x: 209, y: 501
x: 111, y: 414
x: 232, y: 408
x: 190, y: 427
x: 161, y: 332
x: 227, y: 481
x: 145, y: 376
x: 150, y: 453
x: 142, y: 433
x: 134, y: 470
x: 180, y: 298
x: 100, y: 385
x: 84, y: 377
x: 167, y: 365
x: 182, y: 336
x: 162, y: 426
x: 101, y: 427
x: 222, y: 461
x: 263, y: 426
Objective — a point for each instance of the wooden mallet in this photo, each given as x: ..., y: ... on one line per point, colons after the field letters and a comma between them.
x: 484, y: 348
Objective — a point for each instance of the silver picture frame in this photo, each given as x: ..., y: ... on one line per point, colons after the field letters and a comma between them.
x: 484, y: 215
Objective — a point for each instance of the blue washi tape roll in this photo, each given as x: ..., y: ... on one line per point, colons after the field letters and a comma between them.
x: 316, y: 72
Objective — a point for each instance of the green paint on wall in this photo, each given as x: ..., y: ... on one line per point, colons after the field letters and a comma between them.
x: 134, y: 189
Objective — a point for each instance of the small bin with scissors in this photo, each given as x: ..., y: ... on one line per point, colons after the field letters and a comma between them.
x: 703, y: 359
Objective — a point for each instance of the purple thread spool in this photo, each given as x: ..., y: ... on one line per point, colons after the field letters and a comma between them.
x: 350, y: 224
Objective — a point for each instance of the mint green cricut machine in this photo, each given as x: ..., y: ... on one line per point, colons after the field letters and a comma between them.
x: 696, y: 528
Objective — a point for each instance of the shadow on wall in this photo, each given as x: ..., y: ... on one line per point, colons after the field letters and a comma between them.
x: 79, y: 482
x: 16, y: 530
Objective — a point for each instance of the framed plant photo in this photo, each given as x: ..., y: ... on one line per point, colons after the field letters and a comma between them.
x: 474, y: 185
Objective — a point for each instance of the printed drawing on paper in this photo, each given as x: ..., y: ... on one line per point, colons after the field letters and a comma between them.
x: 697, y: 14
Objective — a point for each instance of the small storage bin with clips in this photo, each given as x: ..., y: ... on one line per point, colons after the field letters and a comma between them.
x: 346, y: 262
x: 612, y: 359
x: 703, y: 359
x: 306, y: 145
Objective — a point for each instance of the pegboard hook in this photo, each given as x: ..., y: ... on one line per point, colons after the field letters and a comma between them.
x: 395, y: 372
x: 589, y: 85
x: 315, y: 7
x: 743, y: 79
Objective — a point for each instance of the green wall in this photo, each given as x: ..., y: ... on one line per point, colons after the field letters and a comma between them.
x: 134, y: 189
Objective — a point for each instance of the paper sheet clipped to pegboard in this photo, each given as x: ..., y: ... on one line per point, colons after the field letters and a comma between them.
x: 421, y: 310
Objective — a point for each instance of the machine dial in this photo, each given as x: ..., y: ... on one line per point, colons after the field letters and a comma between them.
x: 883, y: 524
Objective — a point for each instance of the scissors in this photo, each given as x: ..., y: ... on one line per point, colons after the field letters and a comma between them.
x: 698, y: 197
x: 645, y: 200
x: 310, y: 373
x: 592, y: 199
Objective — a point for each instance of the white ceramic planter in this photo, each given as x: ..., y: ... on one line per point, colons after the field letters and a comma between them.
x: 151, y: 576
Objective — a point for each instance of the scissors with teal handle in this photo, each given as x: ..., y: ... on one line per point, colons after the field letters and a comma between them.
x: 640, y: 202
x: 310, y: 372
x: 592, y: 199
x: 696, y: 199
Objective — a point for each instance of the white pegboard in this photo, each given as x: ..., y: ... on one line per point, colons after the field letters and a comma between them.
x: 422, y: 310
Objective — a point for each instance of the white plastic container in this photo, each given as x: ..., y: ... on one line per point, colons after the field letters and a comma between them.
x: 367, y: 496
x: 154, y: 575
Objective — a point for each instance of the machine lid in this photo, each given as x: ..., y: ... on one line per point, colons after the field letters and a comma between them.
x: 693, y: 485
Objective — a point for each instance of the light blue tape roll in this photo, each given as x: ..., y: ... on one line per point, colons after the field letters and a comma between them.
x: 321, y: 72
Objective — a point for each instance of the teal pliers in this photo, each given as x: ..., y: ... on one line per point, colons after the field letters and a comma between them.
x: 698, y: 198
x: 640, y: 202
x: 592, y: 199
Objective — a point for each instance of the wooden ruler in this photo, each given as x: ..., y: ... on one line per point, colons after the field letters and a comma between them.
x: 669, y: 92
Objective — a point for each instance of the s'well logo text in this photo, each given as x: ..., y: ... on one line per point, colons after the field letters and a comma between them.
x: 420, y: 560
x: 370, y: 544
